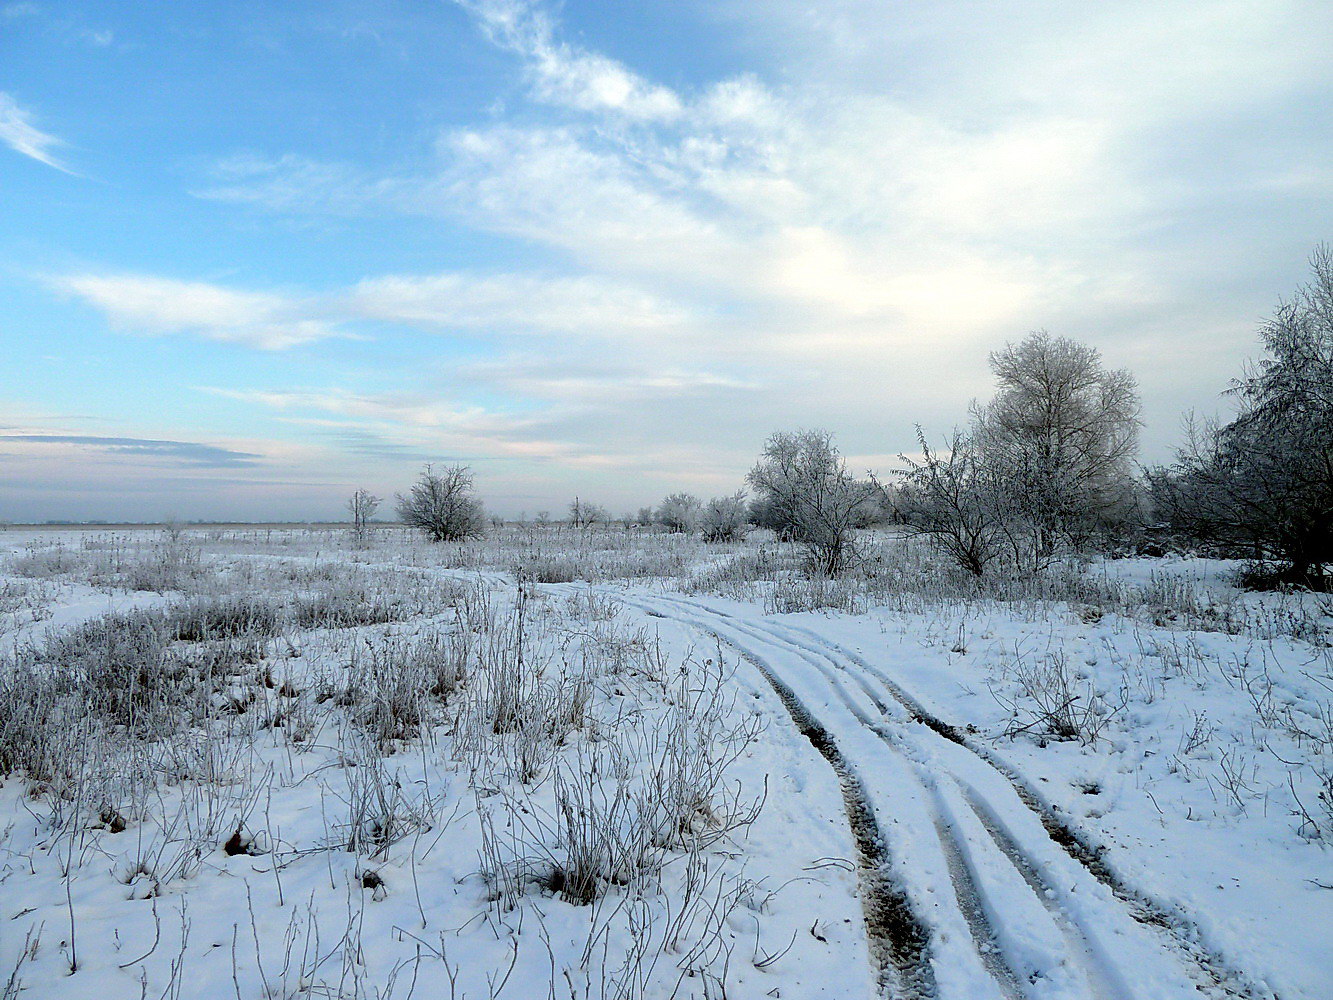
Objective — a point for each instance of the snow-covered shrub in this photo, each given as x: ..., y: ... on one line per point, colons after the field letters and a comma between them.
x: 44, y: 562
x: 382, y: 809
x: 175, y: 562
x: 443, y: 505
x: 803, y: 484
x: 388, y: 688
x: 678, y: 512
x: 120, y: 668
x: 1049, y: 699
x: 547, y: 569
x: 206, y: 619
x: 725, y: 519
x: 348, y: 609
x: 608, y: 808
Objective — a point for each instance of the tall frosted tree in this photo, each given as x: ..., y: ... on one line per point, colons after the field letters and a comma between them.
x: 1064, y: 429
x: 1265, y: 479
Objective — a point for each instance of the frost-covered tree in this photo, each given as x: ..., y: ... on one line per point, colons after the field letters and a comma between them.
x: 725, y: 519
x: 958, y: 500
x: 678, y: 512
x: 803, y: 483
x: 1265, y: 480
x: 584, y: 514
x: 362, y: 506
x: 443, y: 505
x: 1064, y: 429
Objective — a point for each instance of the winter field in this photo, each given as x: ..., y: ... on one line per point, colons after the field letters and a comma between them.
x: 620, y: 763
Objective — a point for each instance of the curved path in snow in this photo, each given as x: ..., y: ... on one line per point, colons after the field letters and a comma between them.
x: 973, y: 889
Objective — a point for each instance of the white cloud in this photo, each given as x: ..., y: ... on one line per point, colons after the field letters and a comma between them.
x: 566, y: 75
x: 850, y: 227
x: 512, y: 302
x: 155, y: 305
x: 579, y: 306
x: 594, y: 384
x: 428, y: 424
x: 19, y: 133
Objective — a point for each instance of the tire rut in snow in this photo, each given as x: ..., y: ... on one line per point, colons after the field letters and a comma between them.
x: 1220, y: 973
x: 899, y: 943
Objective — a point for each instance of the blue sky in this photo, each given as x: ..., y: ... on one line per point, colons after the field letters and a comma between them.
x: 254, y: 255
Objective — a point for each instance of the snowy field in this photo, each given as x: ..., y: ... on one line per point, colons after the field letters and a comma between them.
x: 608, y: 763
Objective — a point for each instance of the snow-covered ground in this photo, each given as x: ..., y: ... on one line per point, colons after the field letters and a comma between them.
x: 936, y: 797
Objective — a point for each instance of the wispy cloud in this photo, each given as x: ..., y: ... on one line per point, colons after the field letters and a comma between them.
x: 565, y: 74
x: 421, y: 421
x: 510, y: 302
x: 598, y: 383
x: 154, y: 305
x: 19, y: 133
x: 188, y: 453
x: 452, y: 301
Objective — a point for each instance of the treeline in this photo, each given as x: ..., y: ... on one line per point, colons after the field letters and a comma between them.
x: 1046, y: 469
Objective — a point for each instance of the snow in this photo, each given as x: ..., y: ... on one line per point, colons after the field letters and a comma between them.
x: 1199, y: 875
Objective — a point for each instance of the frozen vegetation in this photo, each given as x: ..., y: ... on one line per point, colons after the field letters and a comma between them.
x: 604, y: 761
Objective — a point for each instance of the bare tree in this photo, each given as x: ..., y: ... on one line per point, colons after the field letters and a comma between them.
x: 1065, y: 430
x: 1265, y: 479
x: 362, y: 506
x: 803, y: 483
x: 443, y: 505
x: 678, y: 512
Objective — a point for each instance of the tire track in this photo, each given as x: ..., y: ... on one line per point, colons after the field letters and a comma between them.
x: 898, y: 941
x: 838, y: 665
x: 970, y: 899
x: 1218, y: 974
x: 990, y: 956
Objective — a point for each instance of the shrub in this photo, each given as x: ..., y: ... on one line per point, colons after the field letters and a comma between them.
x: 804, y: 484
x: 443, y: 505
x: 725, y: 519
x: 678, y: 512
x: 202, y: 620
x: 347, y: 609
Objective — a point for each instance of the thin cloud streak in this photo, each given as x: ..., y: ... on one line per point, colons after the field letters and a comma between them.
x: 187, y: 453
x: 18, y: 132
x: 274, y: 321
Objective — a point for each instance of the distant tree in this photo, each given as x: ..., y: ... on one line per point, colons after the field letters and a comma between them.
x: 678, y: 512
x: 583, y: 514
x: 725, y: 519
x: 1265, y: 480
x: 803, y: 483
x: 644, y: 516
x: 362, y: 506
x: 443, y: 505
x: 1064, y: 430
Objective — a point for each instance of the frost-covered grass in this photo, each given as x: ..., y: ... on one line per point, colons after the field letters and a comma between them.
x: 286, y: 763
x: 305, y: 769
